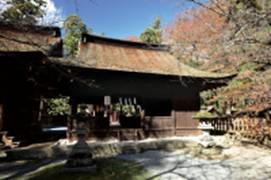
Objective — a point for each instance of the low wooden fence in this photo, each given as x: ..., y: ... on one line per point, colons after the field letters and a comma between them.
x: 251, y: 128
x: 221, y: 125
x: 243, y: 127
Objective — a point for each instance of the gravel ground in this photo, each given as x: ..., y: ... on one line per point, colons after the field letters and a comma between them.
x: 243, y: 162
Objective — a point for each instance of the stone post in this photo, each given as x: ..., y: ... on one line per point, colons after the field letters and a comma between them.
x: 80, y: 158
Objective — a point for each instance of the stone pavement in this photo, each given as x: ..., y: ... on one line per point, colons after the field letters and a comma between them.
x: 167, y: 159
x: 248, y: 162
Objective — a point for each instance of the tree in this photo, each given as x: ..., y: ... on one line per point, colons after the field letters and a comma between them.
x: 244, y: 45
x: 195, y: 34
x: 132, y: 38
x: 58, y: 106
x: 156, y: 23
x: 152, y: 34
x: 23, y: 11
x: 74, y: 27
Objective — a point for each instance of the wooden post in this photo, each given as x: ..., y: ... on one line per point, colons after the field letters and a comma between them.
x: 71, y: 121
x: 1, y: 116
x: 175, y: 122
x: 41, y: 105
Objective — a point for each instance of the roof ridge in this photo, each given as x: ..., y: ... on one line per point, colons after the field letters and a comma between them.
x: 101, y: 39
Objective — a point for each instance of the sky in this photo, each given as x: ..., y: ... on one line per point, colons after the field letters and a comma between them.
x: 121, y: 18
x: 115, y: 18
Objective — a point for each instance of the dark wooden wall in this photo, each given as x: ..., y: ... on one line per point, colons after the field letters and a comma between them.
x: 99, y: 83
x: 185, y: 124
x: 19, y: 93
x: 182, y: 125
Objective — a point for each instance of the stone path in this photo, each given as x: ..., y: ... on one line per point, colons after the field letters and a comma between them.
x: 248, y: 162
x: 236, y: 162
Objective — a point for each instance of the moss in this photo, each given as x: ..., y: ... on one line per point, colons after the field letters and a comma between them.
x: 193, y: 63
x: 107, y: 169
x: 234, y: 84
x: 247, y: 66
x: 206, y: 96
x: 204, y: 114
x: 211, y: 153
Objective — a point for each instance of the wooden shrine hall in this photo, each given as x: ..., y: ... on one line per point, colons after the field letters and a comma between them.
x: 122, y: 89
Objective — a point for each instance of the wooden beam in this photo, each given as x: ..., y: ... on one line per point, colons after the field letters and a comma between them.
x: 71, y: 120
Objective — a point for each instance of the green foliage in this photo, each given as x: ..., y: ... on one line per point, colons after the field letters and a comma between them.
x: 234, y: 84
x: 206, y: 96
x: 204, y: 114
x: 74, y: 27
x: 149, y: 36
x: 247, y: 66
x: 221, y: 105
x: 156, y: 23
x: 58, y: 106
x: 241, y: 4
x: 127, y: 110
x: 194, y: 63
x: 23, y: 11
x: 152, y: 34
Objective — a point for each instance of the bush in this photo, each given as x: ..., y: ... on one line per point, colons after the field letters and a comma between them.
x: 58, y: 106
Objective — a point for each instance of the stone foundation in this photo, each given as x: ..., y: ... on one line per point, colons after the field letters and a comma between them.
x: 100, y: 149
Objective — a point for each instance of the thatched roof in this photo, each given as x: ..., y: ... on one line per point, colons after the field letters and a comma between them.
x: 97, y: 52
x: 118, y: 55
x: 30, y: 39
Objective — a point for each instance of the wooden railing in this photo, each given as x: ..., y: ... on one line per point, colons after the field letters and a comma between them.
x: 243, y: 127
x: 251, y: 128
x: 221, y: 125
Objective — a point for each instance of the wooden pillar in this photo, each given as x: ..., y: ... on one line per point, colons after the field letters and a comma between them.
x: 71, y: 120
x: 41, y: 106
x: 1, y: 116
x: 173, y: 115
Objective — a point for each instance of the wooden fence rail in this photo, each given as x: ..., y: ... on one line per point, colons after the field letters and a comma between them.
x: 244, y: 127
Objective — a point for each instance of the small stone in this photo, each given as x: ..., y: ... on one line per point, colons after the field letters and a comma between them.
x: 207, y: 141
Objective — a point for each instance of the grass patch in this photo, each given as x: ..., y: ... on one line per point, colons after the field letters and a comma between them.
x: 107, y: 169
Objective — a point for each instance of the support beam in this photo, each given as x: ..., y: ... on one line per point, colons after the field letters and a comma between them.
x: 1, y: 116
x: 71, y: 120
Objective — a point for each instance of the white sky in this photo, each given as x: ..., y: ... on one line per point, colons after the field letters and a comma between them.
x: 53, y: 16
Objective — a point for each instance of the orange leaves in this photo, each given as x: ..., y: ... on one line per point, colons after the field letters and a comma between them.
x: 198, y: 25
x: 196, y: 34
x: 133, y: 38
